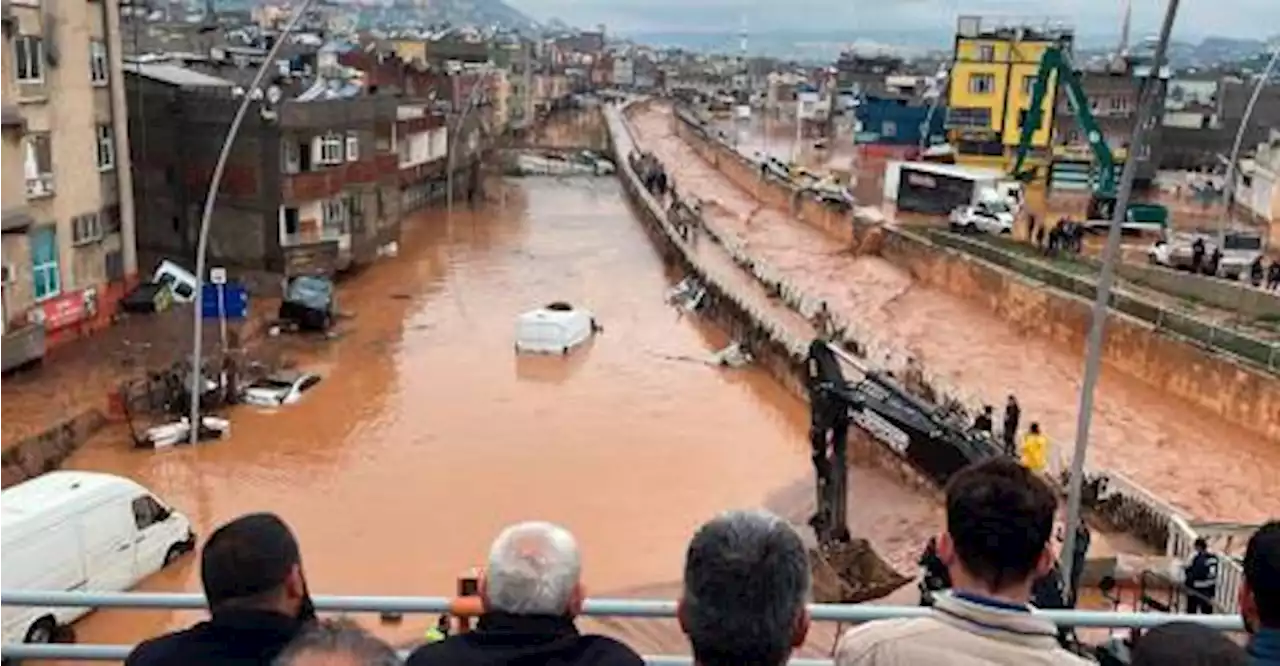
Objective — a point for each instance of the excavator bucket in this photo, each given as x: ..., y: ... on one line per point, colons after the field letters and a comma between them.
x: 851, y: 573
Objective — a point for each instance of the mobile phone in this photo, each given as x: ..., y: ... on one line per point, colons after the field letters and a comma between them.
x: 468, y: 586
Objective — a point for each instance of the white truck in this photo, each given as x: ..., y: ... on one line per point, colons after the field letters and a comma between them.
x: 81, y: 531
x: 939, y: 189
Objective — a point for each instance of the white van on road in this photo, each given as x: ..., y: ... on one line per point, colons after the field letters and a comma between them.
x: 81, y: 531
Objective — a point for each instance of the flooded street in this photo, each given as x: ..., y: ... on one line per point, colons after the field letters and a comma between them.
x: 1203, y: 464
x: 428, y: 434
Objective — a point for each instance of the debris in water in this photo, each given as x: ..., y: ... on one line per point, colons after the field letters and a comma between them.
x: 733, y: 356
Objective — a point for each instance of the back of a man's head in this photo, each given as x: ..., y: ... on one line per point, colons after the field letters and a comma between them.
x: 247, y: 562
x: 746, y: 582
x: 999, y: 521
x: 337, y: 643
x: 1187, y: 644
x: 534, y: 569
x: 1260, y: 598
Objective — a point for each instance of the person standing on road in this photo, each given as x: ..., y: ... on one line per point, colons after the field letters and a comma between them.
x: 1012, y: 414
x: 1201, y: 579
x: 1035, y: 450
x: 1273, y: 275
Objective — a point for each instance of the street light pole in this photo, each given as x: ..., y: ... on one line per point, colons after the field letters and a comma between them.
x: 1228, y: 188
x: 1093, y: 353
x: 202, y: 245
x: 453, y: 138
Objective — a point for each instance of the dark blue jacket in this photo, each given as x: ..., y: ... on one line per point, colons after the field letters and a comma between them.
x: 1264, y: 648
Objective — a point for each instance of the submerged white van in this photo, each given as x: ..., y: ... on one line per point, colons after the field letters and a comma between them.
x: 74, y: 531
x: 555, y: 329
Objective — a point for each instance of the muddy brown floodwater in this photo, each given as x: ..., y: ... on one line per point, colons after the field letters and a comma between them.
x: 1208, y: 466
x: 428, y: 435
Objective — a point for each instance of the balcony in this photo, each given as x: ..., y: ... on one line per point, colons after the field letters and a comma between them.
x: 328, y: 181
x: 41, y: 186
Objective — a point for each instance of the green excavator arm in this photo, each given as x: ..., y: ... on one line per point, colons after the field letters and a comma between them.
x: 1055, y: 60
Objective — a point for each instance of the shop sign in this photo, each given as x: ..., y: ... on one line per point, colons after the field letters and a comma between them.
x: 68, y: 309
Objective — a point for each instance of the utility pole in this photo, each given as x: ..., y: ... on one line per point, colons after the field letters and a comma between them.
x: 1093, y: 355
x: 1228, y: 187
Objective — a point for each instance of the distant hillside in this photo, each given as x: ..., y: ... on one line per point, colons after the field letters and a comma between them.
x: 480, y: 13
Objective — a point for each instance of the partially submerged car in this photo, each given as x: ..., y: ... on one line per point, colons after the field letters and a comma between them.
x: 554, y: 329
x: 282, y: 388
x: 308, y: 303
x: 179, y: 432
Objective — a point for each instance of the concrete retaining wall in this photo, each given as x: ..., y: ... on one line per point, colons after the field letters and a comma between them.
x: 1222, y: 294
x: 44, y: 452
x: 782, y: 355
x: 1214, y: 381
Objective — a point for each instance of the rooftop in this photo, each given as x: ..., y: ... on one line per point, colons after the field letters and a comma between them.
x: 176, y: 75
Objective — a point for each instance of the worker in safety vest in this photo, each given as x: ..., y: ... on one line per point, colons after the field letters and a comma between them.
x: 440, y: 631
x: 1035, y: 450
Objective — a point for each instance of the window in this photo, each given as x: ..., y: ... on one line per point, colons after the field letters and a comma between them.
x: 1028, y: 83
x: 291, y: 157
x: 334, y: 212
x: 329, y: 149
x: 111, y: 219
x: 1022, y: 119
x: 889, y: 129
x: 28, y: 58
x: 986, y: 53
x: 86, y: 229
x: 98, y: 67
x: 147, y: 512
x: 353, y: 148
x: 44, y: 263
x: 1119, y: 105
x: 106, y: 148
x: 39, y: 153
x: 982, y: 84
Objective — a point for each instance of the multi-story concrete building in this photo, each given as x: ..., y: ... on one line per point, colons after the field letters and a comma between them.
x: 996, y: 62
x: 1114, y: 95
x: 310, y: 185
x: 68, y: 204
x: 1257, y: 184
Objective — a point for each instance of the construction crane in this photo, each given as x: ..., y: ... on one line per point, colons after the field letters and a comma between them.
x: 1102, y: 201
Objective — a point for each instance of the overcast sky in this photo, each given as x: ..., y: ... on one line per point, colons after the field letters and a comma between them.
x: 1196, y: 18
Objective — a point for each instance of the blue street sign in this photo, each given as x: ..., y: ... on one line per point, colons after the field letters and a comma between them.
x: 235, y: 301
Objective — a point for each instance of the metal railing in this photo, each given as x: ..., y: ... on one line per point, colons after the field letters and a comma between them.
x: 1260, y: 352
x: 613, y: 608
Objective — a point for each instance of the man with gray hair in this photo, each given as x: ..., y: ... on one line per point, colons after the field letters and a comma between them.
x: 531, y: 592
x: 746, y: 585
x: 339, y: 642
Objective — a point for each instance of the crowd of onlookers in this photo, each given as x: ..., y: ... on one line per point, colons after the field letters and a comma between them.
x: 746, y: 585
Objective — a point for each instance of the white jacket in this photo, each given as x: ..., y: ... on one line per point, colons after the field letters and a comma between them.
x: 961, y: 631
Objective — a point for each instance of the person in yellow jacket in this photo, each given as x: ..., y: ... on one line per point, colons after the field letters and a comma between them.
x: 1035, y: 450
x: 440, y: 631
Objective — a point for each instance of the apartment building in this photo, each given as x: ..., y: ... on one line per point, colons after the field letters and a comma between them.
x: 994, y: 71
x: 311, y: 184
x: 1114, y: 95
x: 68, y: 205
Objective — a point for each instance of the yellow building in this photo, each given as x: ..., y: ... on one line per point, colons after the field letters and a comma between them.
x: 996, y: 62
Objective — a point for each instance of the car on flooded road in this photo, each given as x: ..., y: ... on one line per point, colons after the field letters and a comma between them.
x: 282, y: 388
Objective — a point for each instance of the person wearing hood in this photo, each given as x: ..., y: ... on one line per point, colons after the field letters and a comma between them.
x: 251, y: 569
x: 531, y: 593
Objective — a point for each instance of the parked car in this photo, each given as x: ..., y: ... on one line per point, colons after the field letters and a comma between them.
x: 283, y: 388
x: 985, y: 217
x: 69, y: 530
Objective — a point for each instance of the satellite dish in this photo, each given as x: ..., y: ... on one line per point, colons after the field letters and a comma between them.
x: 274, y: 94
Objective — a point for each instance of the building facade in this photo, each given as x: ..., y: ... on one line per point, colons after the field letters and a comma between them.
x: 310, y: 186
x: 1114, y: 96
x: 994, y: 70
x: 68, y: 205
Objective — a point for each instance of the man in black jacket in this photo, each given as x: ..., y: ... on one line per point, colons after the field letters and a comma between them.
x: 251, y: 569
x: 531, y: 591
